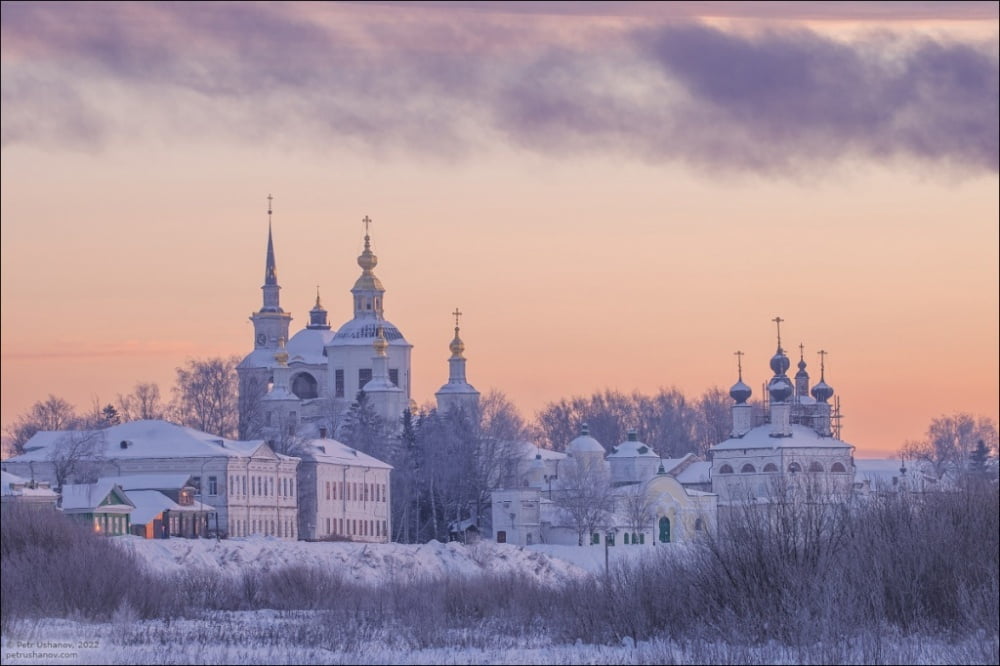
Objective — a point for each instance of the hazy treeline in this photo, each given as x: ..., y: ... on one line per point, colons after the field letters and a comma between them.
x: 815, y: 575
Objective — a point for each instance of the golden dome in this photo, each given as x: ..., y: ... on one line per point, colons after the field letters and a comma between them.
x: 367, y: 260
x: 281, y: 356
x: 457, y: 346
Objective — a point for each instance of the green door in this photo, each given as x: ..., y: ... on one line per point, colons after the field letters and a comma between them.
x: 664, y: 530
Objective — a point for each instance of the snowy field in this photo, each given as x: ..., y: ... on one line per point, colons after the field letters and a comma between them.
x: 352, y: 635
x: 377, y: 563
x: 269, y: 637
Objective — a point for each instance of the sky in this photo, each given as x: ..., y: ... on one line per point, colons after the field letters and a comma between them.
x: 616, y: 195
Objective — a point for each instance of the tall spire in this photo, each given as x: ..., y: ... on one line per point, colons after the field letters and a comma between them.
x: 271, y: 288
x: 317, y: 316
x: 270, y: 267
x: 270, y: 323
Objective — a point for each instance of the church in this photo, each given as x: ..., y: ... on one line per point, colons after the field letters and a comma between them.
x: 304, y: 384
x: 785, y: 448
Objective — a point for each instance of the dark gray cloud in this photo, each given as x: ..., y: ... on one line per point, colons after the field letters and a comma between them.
x: 776, y: 101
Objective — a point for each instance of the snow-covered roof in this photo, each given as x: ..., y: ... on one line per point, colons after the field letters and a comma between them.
x: 462, y: 388
x: 88, y: 496
x: 13, y: 485
x: 364, y: 329
x: 151, y: 503
x: 585, y: 444
x: 631, y: 449
x: 259, y: 358
x: 530, y: 452
x: 760, y: 438
x: 146, y: 439
x: 335, y: 452
x: 699, y: 471
x: 164, y: 481
x: 307, y: 345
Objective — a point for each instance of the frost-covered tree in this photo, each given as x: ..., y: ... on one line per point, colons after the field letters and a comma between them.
x: 53, y: 413
x: 950, y: 441
x: 76, y: 456
x: 206, y: 396
x: 585, y: 495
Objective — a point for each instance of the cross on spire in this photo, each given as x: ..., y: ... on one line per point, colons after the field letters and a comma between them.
x: 457, y: 313
x: 269, y: 198
x: 367, y: 221
x: 739, y: 362
x: 778, y: 320
x: 802, y: 352
x: 822, y: 363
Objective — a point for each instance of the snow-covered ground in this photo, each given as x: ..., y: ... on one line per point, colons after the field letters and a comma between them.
x: 376, y: 563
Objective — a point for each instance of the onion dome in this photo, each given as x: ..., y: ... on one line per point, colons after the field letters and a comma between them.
x: 780, y: 362
x: 822, y: 391
x: 780, y: 388
x: 281, y: 356
x: 740, y: 392
x: 367, y: 259
x: 802, y: 370
x: 456, y: 346
x: 585, y: 443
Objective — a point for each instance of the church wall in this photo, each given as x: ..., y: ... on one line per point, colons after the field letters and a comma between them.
x: 352, y: 358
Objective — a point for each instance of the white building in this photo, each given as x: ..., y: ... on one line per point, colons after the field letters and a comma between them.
x: 343, y: 494
x: 646, y: 500
x: 312, y: 378
x: 18, y: 491
x: 792, y: 449
x: 250, y: 487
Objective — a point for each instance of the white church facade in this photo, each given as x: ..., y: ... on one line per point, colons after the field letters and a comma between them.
x: 304, y: 384
x: 787, y: 449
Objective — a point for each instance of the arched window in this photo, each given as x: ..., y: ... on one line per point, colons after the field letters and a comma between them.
x: 626, y: 539
x: 305, y: 386
x: 770, y: 467
x: 795, y: 467
x: 725, y: 469
x: 815, y: 467
x: 699, y: 525
x: 748, y: 469
x: 837, y: 467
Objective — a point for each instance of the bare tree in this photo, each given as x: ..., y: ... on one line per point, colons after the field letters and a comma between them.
x: 142, y: 404
x: 585, y: 495
x: 252, y: 389
x: 950, y: 441
x: 500, y: 434
x: 714, y: 419
x: 77, y: 456
x: 206, y: 396
x: 636, y: 506
x: 53, y: 413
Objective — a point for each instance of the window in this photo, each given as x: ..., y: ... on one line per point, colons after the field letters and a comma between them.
x: 196, y: 482
x: 339, y: 383
x: 244, y: 485
x: 837, y: 467
x: 364, y: 376
x: 748, y: 469
x: 328, y: 490
x: 642, y: 537
x: 725, y: 469
x: 770, y: 467
x: 699, y: 525
x: 794, y: 467
x: 213, y: 485
x: 814, y: 466
x: 626, y: 539
x: 305, y: 386
x: 394, y: 376
x: 291, y: 487
x: 328, y: 526
x: 267, y: 418
x: 595, y: 538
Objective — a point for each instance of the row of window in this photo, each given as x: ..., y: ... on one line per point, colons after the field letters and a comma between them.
x: 355, y: 492
x: 793, y: 467
x: 260, y: 486
x: 376, y: 528
x: 364, y: 376
x: 283, y: 527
